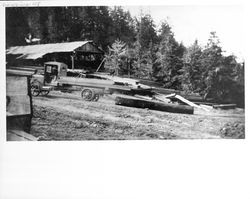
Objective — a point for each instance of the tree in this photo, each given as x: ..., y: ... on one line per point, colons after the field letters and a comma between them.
x: 146, y: 32
x: 169, y: 58
x: 211, y: 61
x: 192, y: 69
x: 16, y: 23
x: 221, y: 77
x: 239, y: 95
x: 113, y: 59
x: 145, y: 45
x: 95, y: 24
x: 230, y: 81
x: 122, y: 26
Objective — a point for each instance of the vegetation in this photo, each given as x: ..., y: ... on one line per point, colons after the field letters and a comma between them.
x: 134, y: 47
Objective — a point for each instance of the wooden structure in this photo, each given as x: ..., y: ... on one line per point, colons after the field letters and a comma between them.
x: 77, y: 55
x: 18, y: 105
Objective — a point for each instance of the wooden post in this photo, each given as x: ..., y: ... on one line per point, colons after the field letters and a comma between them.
x: 129, y: 62
x: 116, y: 66
x: 72, y: 59
x: 100, y: 65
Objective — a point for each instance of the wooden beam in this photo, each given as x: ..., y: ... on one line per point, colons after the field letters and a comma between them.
x: 189, y: 103
x: 19, y: 72
x: 143, y: 97
x: 92, y: 83
x: 162, y: 98
x: 17, y: 135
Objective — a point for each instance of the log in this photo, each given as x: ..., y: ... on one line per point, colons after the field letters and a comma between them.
x: 92, y: 83
x: 141, y: 103
x: 162, y: 98
x: 143, y: 97
x: 19, y: 72
x: 225, y: 106
x: 29, y: 69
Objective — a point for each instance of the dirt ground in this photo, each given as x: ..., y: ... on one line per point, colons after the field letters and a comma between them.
x: 65, y: 116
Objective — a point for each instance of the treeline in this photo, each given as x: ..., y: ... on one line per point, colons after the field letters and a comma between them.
x: 135, y: 48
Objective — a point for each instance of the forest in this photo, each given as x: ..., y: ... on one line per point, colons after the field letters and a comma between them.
x: 134, y: 47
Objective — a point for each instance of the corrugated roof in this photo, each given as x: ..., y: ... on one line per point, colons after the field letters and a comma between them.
x: 37, y: 51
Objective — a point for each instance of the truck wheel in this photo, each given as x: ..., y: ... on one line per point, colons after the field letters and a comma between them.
x: 44, y: 93
x: 96, y: 98
x: 88, y: 94
x: 35, y: 88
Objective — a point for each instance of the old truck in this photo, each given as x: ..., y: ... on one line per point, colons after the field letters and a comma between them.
x: 57, y: 76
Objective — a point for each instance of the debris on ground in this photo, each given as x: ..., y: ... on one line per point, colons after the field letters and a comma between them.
x: 233, y: 130
x: 65, y: 116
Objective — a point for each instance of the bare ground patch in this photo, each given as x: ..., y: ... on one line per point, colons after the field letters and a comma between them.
x: 66, y: 117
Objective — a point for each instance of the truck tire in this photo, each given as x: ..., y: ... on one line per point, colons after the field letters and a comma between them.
x: 35, y: 88
x: 96, y: 98
x: 44, y: 92
x: 88, y: 94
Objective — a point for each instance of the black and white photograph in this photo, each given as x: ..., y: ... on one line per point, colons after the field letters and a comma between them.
x: 124, y: 73
x: 124, y: 99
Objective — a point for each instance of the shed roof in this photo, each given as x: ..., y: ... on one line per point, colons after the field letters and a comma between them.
x: 39, y: 50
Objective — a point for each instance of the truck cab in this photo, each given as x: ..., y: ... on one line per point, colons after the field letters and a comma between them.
x: 43, y: 82
x: 53, y: 71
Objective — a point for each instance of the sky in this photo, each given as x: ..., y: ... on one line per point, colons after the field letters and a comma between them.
x: 196, y: 22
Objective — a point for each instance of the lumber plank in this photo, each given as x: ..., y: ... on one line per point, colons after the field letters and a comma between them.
x: 143, y: 97
x: 28, y: 69
x: 190, y: 97
x: 92, y: 83
x: 206, y: 106
x: 82, y: 81
x: 17, y: 135
x: 162, y: 98
x: 19, y: 72
x: 189, y: 102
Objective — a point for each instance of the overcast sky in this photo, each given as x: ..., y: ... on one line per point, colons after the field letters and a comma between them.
x: 196, y: 22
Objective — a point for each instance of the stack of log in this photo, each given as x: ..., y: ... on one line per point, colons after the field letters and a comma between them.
x: 163, y: 102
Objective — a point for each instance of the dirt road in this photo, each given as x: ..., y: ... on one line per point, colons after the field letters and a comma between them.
x: 65, y: 116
